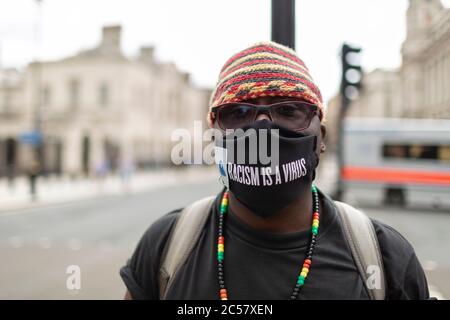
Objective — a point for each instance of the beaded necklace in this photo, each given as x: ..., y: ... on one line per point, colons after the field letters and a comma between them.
x: 223, y: 294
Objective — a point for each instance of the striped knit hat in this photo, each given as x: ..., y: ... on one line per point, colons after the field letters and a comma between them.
x: 265, y: 69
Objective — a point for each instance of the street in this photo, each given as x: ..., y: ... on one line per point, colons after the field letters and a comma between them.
x: 37, y: 245
x: 105, y: 128
x: 98, y: 235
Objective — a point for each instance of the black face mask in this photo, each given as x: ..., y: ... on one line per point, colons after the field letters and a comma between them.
x: 266, y: 188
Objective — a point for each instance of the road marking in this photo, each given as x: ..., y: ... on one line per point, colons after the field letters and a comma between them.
x: 40, y: 209
x: 74, y: 244
x: 429, y: 265
x: 434, y: 293
x: 44, y: 243
x: 16, y: 242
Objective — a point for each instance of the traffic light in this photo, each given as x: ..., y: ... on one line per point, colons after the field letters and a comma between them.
x: 351, y: 72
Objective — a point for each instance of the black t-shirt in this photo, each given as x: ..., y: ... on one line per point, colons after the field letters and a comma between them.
x: 264, y: 265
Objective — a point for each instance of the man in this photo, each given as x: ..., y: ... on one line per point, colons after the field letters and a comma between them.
x: 269, y: 220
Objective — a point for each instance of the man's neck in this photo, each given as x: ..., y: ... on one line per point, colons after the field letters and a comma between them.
x: 295, y: 217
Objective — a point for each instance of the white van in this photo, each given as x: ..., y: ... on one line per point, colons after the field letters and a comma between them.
x: 404, y: 162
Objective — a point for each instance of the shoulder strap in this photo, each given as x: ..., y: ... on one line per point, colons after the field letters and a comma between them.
x: 184, y: 236
x: 363, y: 242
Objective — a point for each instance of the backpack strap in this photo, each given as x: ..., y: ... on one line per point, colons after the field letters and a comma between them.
x: 186, y: 232
x: 363, y: 242
x: 358, y: 231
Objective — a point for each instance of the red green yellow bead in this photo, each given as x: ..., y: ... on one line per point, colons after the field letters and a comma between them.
x: 220, y: 256
x: 223, y: 294
x: 306, y: 266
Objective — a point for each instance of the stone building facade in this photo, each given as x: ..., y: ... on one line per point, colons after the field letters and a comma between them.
x: 420, y: 88
x: 99, y: 109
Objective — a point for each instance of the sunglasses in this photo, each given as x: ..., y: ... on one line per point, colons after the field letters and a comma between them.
x: 293, y: 115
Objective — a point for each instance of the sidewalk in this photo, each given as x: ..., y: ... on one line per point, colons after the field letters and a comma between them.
x: 58, y: 190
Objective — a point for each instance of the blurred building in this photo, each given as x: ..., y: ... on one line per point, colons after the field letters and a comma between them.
x: 380, y: 96
x: 99, y: 109
x: 425, y: 71
x: 420, y: 88
x: 12, y: 120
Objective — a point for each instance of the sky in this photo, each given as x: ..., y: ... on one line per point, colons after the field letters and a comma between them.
x: 200, y: 35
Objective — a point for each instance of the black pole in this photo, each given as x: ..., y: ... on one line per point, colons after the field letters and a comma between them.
x: 37, y: 165
x: 283, y: 22
x: 346, y: 84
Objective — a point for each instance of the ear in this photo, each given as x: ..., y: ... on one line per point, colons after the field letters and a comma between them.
x: 210, y: 119
x: 323, y: 131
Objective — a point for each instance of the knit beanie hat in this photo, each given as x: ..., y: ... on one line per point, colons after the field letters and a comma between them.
x: 265, y: 69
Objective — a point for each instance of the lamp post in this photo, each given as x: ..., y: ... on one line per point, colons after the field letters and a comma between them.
x: 283, y: 22
x: 36, y: 165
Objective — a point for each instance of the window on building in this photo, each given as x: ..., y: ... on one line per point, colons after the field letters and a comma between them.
x: 74, y: 93
x: 444, y: 153
x: 5, y: 104
x: 103, y: 95
x: 46, y: 96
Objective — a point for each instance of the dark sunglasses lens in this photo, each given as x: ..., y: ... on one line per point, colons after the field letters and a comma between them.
x: 293, y: 115
x: 235, y: 116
